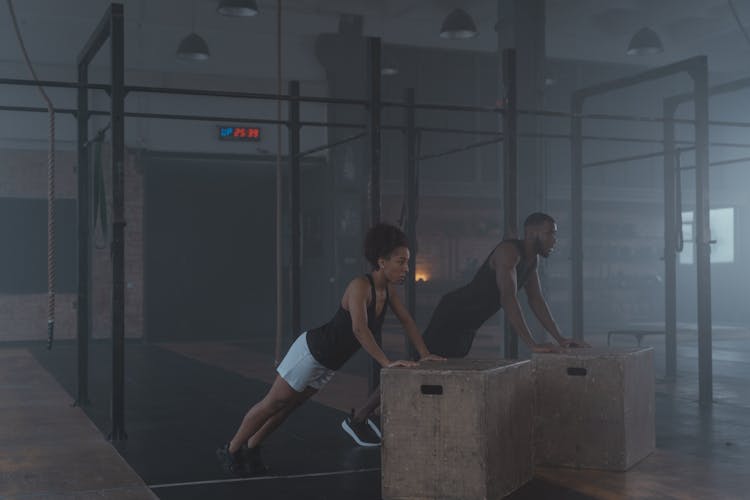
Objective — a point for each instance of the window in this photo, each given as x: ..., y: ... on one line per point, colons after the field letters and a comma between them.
x: 722, y: 232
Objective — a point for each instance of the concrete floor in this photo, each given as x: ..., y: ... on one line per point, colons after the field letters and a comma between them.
x: 184, y: 399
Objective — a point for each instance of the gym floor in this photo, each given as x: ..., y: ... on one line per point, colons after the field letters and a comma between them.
x: 185, y: 399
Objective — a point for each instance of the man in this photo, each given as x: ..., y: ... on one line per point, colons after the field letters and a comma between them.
x: 512, y: 265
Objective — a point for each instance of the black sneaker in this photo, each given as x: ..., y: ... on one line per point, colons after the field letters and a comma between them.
x: 232, y: 463
x: 252, y: 461
x: 360, y: 432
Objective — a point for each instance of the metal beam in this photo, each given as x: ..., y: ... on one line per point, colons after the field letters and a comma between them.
x: 670, y: 243
x: 372, y: 85
x: 373, y: 126
x: 117, y: 120
x: 699, y: 73
x: 331, y: 145
x: 411, y: 200
x: 576, y: 215
x: 98, y: 37
x: 83, y: 312
x: 722, y: 88
x: 474, y: 145
x: 295, y: 206
x: 510, y: 174
x: 686, y: 65
x: 643, y: 156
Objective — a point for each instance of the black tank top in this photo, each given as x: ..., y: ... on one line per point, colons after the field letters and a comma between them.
x: 334, y: 343
x: 460, y: 313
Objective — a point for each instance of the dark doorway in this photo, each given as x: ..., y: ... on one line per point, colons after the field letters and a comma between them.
x: 209, y: 247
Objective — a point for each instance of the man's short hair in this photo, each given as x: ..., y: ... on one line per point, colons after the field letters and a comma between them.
x: 537, y: 219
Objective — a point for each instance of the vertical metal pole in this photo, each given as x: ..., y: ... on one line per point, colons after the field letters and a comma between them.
x: 84, y: 243
x: 576, y: 215
x: 411, y: 193
x: 373, y: 150
x: 703, y: 233
x: 670, y: 241
x: 117, y: 45
x: 510, y: 174
x: 295, y: 204
x: 373, y: 126
x: 278, y: 341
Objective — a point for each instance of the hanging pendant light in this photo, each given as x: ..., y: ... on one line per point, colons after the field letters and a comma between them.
x: 458, y: 25
x: 193, y: 47
x: 645, y: 42
x: 237, y: 8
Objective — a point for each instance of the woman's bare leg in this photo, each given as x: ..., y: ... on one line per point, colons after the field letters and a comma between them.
x: 277, y: 419
x: 280, y: 397
x: 372, y: 403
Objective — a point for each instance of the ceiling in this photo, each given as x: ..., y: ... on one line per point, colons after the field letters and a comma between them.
x: 594, y: 30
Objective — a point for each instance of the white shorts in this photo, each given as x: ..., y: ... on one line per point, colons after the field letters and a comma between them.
x: 301, y: 370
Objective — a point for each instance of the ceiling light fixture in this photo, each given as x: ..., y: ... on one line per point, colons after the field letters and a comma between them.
x: 238, y: 8
x: 645, y: 42
x: 458, y: 25
x: 193, y: 47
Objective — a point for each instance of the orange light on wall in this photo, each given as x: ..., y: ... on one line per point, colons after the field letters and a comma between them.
x: 421, y: 275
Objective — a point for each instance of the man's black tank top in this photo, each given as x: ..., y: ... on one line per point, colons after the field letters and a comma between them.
x: 460, y: 313
x: 334, y: 343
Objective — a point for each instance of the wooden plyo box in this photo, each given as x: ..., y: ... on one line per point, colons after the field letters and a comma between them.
x: 594, y: 408
x: 458, y: 429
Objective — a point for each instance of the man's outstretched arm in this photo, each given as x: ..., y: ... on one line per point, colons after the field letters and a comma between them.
x: 506, y: 259
x: 541, y: 311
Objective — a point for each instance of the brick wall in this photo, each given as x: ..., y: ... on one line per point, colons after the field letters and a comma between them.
x: 23, y: 174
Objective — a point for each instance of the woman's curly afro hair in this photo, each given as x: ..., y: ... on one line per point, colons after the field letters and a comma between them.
x: 381, y: 240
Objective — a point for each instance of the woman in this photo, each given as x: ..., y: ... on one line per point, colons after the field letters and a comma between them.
x: 317, y: 354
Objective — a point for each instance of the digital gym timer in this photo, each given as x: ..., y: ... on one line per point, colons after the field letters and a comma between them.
x: 230, y: 133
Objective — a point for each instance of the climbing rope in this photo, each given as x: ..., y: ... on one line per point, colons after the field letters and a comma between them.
x: 50, y: 187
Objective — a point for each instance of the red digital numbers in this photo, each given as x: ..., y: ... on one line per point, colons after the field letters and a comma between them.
x: 239, y: 133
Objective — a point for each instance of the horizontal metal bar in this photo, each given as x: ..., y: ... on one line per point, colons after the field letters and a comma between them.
x: 652, y: 74
x: 246, y: 95
x: 457, y: 131
x: 601, y: 138
x: 729, y: 144
x: 331, y: 100
x: 331, y: 145
x: 661, y: 153
x: 462, y: 148
x: 720, y: 163
x: 182, y: 91
x: 722, y: 88
x: 53, y: 84
x: 36, y: 109
x: 633, y: 158
x: 166, y: 116
x: 445, y: 107
x: 602, y: 116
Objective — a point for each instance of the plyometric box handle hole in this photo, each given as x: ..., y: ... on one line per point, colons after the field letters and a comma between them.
x: 577, y: 371
x: 432, y: 389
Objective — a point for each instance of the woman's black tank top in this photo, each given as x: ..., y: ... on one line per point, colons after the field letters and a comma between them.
x: 334, y: 343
